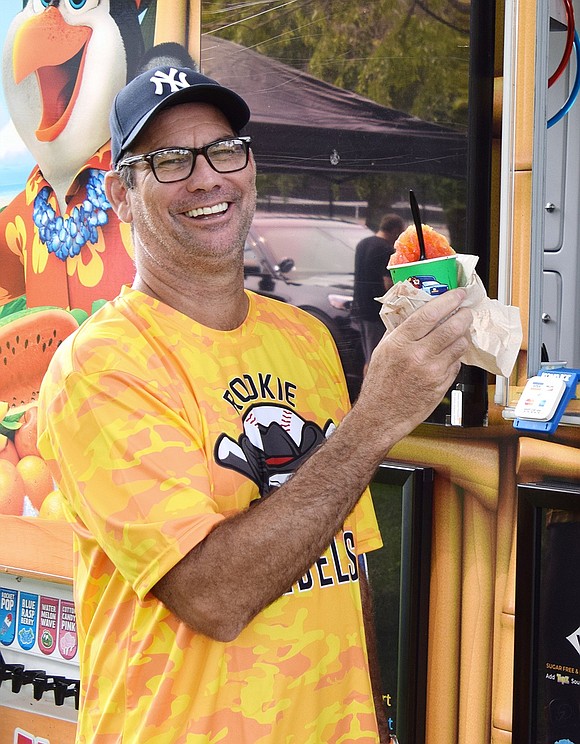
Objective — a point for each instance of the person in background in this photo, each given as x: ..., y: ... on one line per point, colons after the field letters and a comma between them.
x: 214, y: 475
x: 372, y: 279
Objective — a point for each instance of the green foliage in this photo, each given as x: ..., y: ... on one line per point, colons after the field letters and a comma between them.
x: 384, y: 567
x: 14, y: 306
x: 410, y: 55
x: 10, y: 424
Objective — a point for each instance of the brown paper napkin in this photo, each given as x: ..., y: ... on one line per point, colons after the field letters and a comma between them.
x: 496, y: 330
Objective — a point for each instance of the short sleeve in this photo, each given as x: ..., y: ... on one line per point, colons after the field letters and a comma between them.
x: 133, y: 469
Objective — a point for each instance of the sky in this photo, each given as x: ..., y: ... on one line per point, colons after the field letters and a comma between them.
x: 15, y: 160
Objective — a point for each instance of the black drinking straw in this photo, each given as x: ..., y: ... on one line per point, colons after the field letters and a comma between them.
x: 418, y: 227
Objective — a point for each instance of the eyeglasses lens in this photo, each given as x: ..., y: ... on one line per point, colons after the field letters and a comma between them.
x: 172, y: 165
x: 225, y: 156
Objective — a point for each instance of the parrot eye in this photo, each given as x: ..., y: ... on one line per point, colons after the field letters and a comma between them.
x: 74, y: 5
x: 83, y: 4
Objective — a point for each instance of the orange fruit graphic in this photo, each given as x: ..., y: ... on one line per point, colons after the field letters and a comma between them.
x: 9, y: 452
x: 36, y: 477
x: 25, y: 436
x: 52, y: 507
x: 11, y: 489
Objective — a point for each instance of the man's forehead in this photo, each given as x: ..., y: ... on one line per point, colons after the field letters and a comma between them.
x: 196, y: 112
x: 191, y: 117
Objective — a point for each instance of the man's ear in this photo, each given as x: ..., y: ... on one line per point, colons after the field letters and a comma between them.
x: 118, y: 196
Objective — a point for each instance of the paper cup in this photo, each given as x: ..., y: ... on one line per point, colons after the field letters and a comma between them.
x: 433, y: 275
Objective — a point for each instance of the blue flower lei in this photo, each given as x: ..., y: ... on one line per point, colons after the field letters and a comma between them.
x: 65, y: 236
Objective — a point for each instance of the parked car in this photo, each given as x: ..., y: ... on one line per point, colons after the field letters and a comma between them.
x: 428, y: 284
x: 309, y: 262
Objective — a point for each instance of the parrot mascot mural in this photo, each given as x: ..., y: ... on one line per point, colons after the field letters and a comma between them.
x: 62, y: 249
x: 63, y: 62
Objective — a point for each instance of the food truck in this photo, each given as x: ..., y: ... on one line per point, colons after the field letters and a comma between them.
x: 472, y: 106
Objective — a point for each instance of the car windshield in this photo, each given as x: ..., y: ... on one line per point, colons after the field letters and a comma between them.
x: 315, y: 249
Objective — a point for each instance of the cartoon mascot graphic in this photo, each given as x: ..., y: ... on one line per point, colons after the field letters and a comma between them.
x: 62, y: 249
x: 63, y: 62
x: 275, y: 442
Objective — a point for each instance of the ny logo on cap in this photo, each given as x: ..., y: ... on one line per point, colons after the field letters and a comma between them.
x: 168, y: 78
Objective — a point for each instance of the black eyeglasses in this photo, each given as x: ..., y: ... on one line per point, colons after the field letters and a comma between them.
x: 177, y: 163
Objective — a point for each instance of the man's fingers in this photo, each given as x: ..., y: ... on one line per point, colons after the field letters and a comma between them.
x: 422, y: 321
x: 432, y: 331
x: 452, y: 331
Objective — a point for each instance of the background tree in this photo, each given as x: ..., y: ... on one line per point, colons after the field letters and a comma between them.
x: 410, y: 55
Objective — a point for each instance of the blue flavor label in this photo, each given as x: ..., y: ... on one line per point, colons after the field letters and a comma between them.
x: 27, y: 620
x: 8, y: 603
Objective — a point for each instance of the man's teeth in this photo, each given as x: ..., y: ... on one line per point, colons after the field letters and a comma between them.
x: 202, y: 211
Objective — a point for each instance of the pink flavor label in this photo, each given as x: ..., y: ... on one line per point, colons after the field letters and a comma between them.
x: 67, y: 630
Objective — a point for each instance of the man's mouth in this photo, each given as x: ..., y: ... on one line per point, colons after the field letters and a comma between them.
x: 206, y: 211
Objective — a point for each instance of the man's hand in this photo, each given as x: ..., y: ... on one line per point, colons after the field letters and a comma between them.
x: 412, y: 368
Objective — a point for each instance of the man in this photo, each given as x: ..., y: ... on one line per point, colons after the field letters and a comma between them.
x: 191, y: 426
x: 372, y: 279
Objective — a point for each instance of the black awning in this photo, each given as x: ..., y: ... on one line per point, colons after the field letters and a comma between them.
x: 300, y: 123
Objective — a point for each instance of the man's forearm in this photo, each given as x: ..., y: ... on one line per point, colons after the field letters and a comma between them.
x: 252, y: 558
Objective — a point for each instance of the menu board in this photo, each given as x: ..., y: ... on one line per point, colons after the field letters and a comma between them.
x: 38, y: 618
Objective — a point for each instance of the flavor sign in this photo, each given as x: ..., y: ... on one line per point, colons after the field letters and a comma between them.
x: 8, y: 604
x: 48, y: 624
x: 27, y: 617
x: 67, y: 630
x: 38, y: 623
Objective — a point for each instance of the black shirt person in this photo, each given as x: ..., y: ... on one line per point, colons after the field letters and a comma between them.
x: 372, y: 279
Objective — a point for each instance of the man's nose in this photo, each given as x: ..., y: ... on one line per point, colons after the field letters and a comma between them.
x: 203, y: 175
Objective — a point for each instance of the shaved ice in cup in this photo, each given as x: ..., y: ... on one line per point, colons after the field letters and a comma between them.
x: 436, y: 273
x: 407, y: 245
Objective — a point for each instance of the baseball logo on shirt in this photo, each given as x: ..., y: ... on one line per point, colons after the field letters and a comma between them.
x: 275, y: 442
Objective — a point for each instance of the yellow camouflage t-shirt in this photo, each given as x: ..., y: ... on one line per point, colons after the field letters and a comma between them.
x: 157, y: 428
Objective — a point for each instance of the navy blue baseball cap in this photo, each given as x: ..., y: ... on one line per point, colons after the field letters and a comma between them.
x: 156, y: 89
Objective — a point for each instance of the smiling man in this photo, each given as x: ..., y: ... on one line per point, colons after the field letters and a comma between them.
x: 214, y: 476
